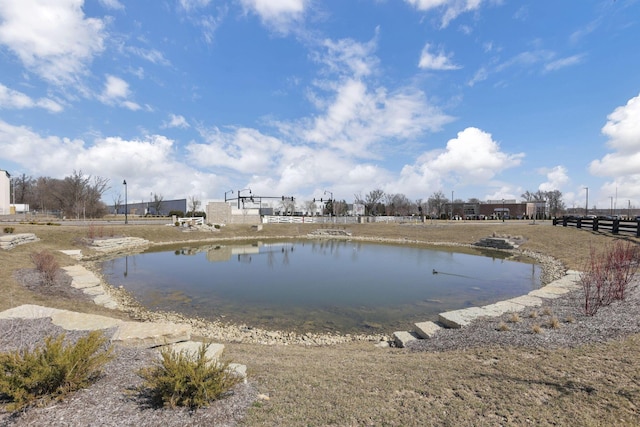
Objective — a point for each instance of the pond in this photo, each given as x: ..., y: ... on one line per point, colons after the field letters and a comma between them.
x: 320, y: 285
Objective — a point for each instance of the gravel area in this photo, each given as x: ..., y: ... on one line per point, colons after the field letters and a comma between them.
x: 559, y: 322
x: 114, y: 399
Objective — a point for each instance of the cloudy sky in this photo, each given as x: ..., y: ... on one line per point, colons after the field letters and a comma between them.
x: 485, y: 98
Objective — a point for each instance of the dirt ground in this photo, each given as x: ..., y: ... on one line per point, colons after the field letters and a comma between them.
x: 582, y: 371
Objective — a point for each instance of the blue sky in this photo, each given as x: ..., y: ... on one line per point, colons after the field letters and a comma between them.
x: 485, y: 98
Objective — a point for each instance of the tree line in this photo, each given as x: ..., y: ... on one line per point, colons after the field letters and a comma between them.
x: 75, y: 196
x: 79, y: 196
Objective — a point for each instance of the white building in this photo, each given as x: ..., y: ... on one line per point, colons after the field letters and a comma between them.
x: 5, y: 190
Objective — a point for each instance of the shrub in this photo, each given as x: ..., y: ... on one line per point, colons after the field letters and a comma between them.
x: 608, y: 274
x: 503, y: 327
x: 95, y: 231
x: 51, y: 371
x: 179, y: 214
x: 533, y: 314
x: 46, y: 265
x: 514, y: 318
x: 536, y: 329
x: 9, y: 230
x: 217, y: 226
x: 182, y: 380
x: 554, y: 323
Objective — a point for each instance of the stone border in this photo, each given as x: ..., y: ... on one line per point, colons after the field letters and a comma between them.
x: 460, y: 318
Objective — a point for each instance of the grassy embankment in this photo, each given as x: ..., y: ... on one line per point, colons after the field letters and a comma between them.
x: 358, y: 384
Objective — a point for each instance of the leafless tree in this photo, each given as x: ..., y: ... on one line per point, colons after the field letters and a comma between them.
x: 310, y: 207
x: 436, y: 203
x: 372, y: 201
x: 156, y: 203
x: 194, y: 204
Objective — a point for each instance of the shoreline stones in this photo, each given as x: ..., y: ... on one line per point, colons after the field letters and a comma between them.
x: 206, y: 329
x: 10, y: 241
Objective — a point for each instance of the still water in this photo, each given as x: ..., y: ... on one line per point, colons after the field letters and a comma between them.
x: 320, y: 286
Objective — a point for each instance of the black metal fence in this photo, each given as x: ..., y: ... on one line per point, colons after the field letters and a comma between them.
x: 614, y: 226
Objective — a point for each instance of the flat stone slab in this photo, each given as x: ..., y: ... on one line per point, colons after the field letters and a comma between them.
x: 502, y: 307
x: 426, y: 329
x: 549, y: 292
x: 29, y: 311
x: 192, y: 348
x: 105, y: 301
x: 73, y: 321
x: 9, y: 241
x: 73, y: 253
x: 458, y: 318
x: 527, y: 301
x: 402, y: 338
x: 147, y: 334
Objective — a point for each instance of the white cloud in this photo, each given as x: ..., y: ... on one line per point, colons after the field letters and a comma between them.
x: 244, y: 150
x: 190, y: 5
x: 557, y: 178
x: 279, y: 15
x: 563, y: 63
x: 623, y: 131
x: 472, y: 157
x: 51, y: 38
x: 10, y: 98
x: 148, y: 164
x: 112, y: 4
x: 116, y: 91
x: 452, y: 8
x: 152, y: 55
x: 439, y: 61
x: 176, y: 121
x: 355, y: 114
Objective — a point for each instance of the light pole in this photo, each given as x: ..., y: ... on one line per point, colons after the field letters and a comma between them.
x: 452, y: 205
x: 502, y: 210
x: 126, y: 207
x: 586, y: 203
x: 225, y: 194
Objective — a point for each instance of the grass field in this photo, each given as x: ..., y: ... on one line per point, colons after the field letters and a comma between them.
x: 359, y: 384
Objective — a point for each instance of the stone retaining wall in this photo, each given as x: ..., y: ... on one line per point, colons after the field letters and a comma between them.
x: 10, y: 241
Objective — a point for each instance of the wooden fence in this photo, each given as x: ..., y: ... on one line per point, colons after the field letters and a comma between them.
x: 614, y: 226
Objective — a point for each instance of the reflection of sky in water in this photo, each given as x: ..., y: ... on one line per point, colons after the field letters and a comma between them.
x: 338, y: 277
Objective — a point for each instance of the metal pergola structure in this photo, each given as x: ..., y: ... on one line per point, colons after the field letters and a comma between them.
x: 252, y: 197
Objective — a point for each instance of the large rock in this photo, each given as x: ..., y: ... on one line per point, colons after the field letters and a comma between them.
x: 147, y: 334
x: 10, y: 241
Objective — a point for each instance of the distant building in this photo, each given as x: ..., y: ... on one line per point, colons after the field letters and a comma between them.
x: 5, y: 193
x: 149, y: 208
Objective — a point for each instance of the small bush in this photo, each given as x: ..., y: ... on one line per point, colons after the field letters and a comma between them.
x: 514, y: 318
x: 182, y: 380
x: 46, y: 265
x: 177, y: 224
x: 217, y: 226
x: 503, y: 327
x: 51, y: 371
x: 547, y: 311
x: 554, y: 323
x: 533, y: 314
x: 607, y: 275
x: 179, y: 214
x: 8, y: 230
x: 570, y: 319
x: 536, y: 329
x: 95, y: 231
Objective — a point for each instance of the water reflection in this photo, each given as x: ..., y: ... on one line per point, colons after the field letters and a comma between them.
x: 328, y: 285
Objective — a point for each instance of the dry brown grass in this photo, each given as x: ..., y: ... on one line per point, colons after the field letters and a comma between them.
x: 358, y: 384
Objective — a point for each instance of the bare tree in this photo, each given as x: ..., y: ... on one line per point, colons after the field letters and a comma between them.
x: 310, y: 207
x: 194, y: 204
x: 156, y: 203
x: 117, y: 203
x: 436, y: 203
x: 372, y: 201
x: 287, y: 205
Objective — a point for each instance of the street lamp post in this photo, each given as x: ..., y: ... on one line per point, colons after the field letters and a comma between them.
x: 586, y: 203
x: 126, y: 207
x: 225, y: 194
